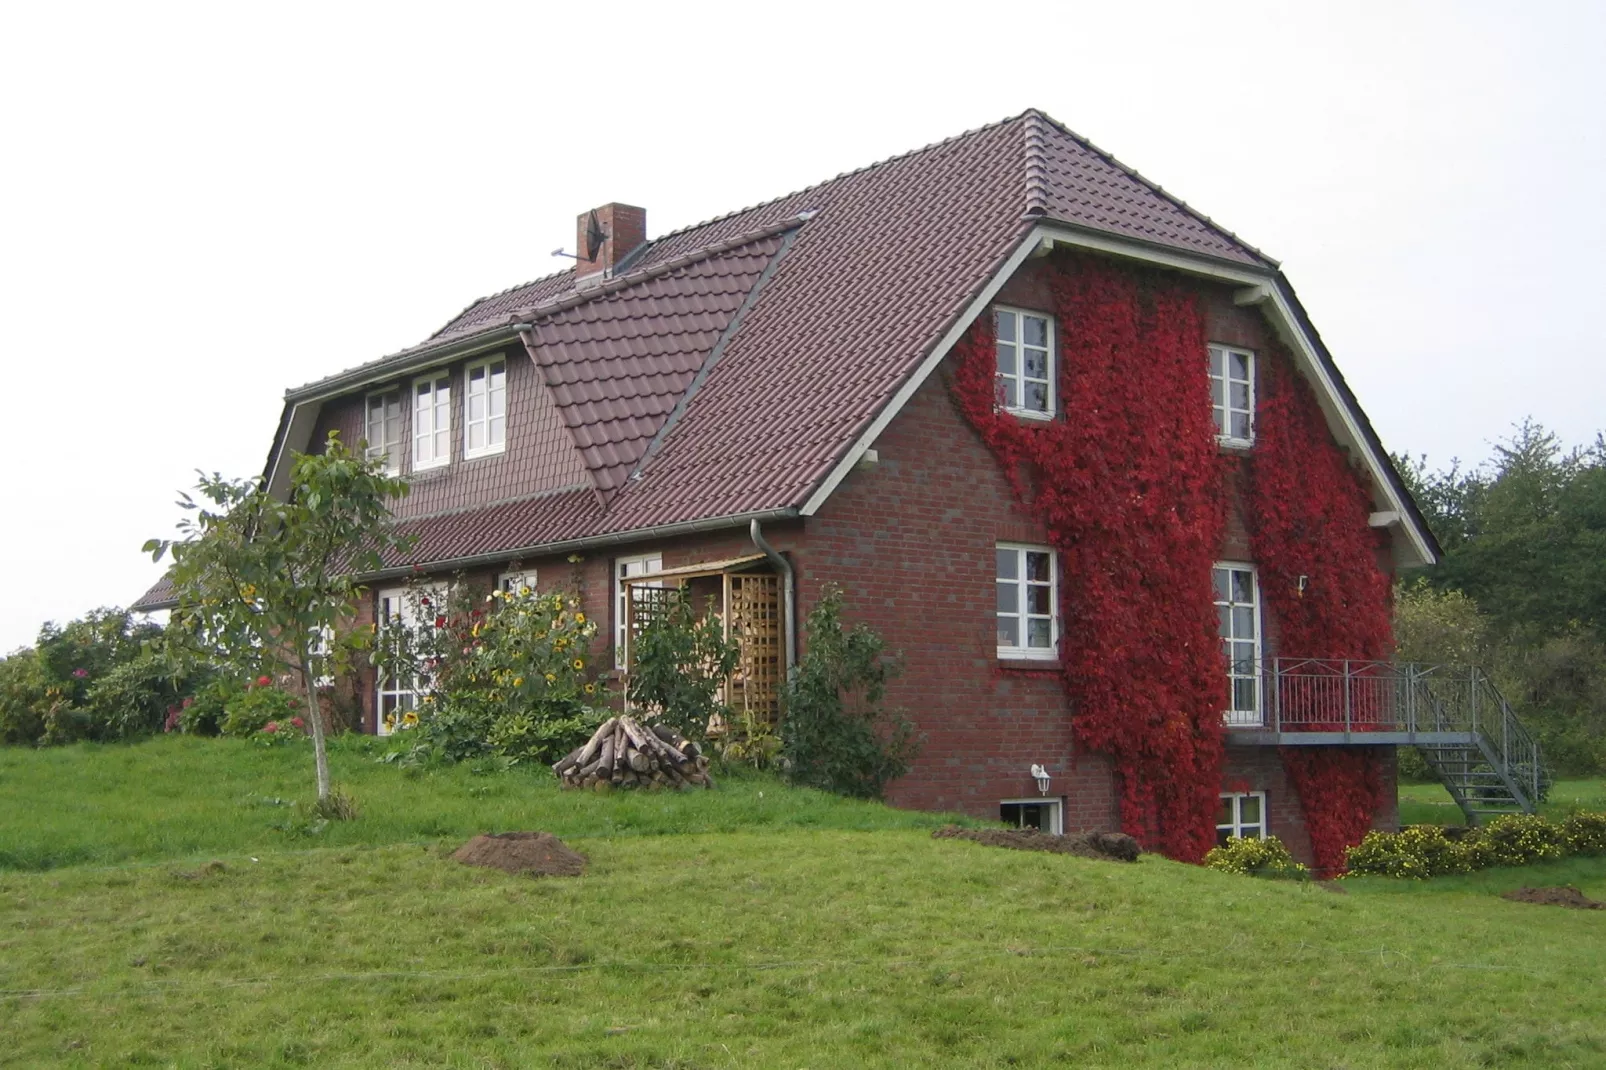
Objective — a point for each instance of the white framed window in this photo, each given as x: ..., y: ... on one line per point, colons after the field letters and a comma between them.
x: 1044, y: 815
x: 625, y: 568
x: 512, y: 582
x: 1025, y: 362
x: 1242, y: 814
x: 1237, y: 596
x: 399, y: 694
x: 485, y: 408
x: 1232, y: 394
x: 1028, y: 602
x: 383, y: 429
x: 432, y: 421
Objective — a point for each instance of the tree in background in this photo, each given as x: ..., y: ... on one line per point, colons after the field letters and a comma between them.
x: 1521, y: 586
x: 264, y: 583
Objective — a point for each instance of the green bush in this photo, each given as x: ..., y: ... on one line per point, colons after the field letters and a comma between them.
x: 23, y: 698
x: 1521, y: 840
x: 203, y: 713
x: 1414, y: 853
x: 1585, y: 833
x: 1257, y: 858
x: 507, y: 679
x: 679, y: 661
x: 258, y: 706
x: 131, y: 699
x: 835, y: 734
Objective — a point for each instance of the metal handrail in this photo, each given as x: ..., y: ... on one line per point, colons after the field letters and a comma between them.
x: 1349, y: 696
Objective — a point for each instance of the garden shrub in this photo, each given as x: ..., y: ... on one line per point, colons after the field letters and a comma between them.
x: 1585, y: 833
x: 1522, y: 839
x: 23, y: 698
x: 132, y: 698
x: 679, y: 661
x: 203, y: 713
x: 248, y: 712
x: 1415, y: 853
x: 835, y: 733
x: 507, y: 678
x: 1256, y: 858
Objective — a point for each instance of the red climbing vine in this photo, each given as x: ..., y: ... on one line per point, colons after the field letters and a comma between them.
x: 1320, y: 577
x: 1129, y: 486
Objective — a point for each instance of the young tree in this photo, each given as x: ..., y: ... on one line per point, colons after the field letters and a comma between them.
x: 264, y: 582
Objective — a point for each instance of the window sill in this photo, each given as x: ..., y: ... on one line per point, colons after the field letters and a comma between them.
x: 1020, y: 663
x: 1030, y: 414
x: 484, y: 454
x: 1235, y: 445
x: 426, y: 475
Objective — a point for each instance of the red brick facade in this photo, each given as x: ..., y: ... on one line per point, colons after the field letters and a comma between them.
x: 911, y: 539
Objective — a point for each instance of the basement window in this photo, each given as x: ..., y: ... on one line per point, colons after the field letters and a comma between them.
x: 1232, y: 394
x: 1044, y: 815
x: 1028, y: 598
x: 1025, y: 362
x: 1242, y: 814
x: 485, y: 408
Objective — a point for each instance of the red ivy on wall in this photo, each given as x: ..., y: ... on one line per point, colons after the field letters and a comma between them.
x: 1129, y: 484
x: 1309, y: 513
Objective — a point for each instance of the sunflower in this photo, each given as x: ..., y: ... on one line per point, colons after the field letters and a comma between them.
x: 578, y: 664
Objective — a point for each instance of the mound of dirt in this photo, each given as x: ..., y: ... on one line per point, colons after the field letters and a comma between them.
x: 539, y: 854
x: 1108, y: 846
x: 1554, y: 897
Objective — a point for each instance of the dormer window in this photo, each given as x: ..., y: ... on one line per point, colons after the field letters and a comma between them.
x: 384, y: 429
x: 485, y: 408
x: 1025, y: 363
x: 432, y: 421
x: 1232, y: 394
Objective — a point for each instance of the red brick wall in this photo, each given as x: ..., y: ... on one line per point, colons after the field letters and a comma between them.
x: 911, y: 540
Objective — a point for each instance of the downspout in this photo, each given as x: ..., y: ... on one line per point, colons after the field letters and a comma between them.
x: 788, y: 593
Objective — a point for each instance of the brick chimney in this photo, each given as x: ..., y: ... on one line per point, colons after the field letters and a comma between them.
x: 605, y: 236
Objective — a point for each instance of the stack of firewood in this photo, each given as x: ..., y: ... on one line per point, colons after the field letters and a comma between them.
x: 626, y: 754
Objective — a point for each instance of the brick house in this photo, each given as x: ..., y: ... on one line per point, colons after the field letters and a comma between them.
x: 761, y: 404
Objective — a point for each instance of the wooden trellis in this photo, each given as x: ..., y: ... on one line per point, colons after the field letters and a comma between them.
x: 748, y: 604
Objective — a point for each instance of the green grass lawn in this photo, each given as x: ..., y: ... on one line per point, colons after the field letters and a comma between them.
x: 1430, y: 804
x: 721, y: 929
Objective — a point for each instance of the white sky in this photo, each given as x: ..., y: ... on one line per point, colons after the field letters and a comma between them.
x: 201, y: 205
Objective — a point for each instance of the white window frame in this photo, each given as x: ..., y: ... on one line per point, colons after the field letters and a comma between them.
x: 495, y: 401
x: 387, y: 444
x: 395, y: 605
x: 432, y: 438
x: 1056, y: 811
x: 1019, y: 378
x: 510, y: 582
x: 1231, y: 715
x: 1223, y: 413
x: 628, y: 568
x: 1236, y: 825
x: 1022, y: 585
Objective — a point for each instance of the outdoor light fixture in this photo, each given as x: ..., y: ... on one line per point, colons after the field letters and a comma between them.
x: 1040, y: 775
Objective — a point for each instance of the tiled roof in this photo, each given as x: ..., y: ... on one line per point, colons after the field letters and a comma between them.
x: 741, y: 357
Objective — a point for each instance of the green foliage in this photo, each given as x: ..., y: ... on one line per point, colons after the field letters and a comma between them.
x: 268, y: 584
x: 679, y: 661
x: 1257, y: 858
x: 1585, y: 833
x: 835, y: 733
x: 507, y: 678
x: 24, y: 698
x: 249, y: 711
x: 1521, y: 840
x: 102, y: 677
x: 1521, y: 587
x: 1421, y: 851
x: 751, y: 741
x: 203, y: 713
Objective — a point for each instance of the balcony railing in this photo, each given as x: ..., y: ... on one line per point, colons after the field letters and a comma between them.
x: 1394, y: 702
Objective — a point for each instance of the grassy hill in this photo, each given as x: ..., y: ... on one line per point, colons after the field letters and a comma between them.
x: 753, y: 926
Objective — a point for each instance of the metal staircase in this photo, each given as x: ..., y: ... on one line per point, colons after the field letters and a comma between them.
x: 1456, y: 718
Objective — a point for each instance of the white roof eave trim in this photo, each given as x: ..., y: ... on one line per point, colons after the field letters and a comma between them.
x: 1268, y: 288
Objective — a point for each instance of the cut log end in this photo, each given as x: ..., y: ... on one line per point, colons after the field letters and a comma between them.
x: 623, y: 753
